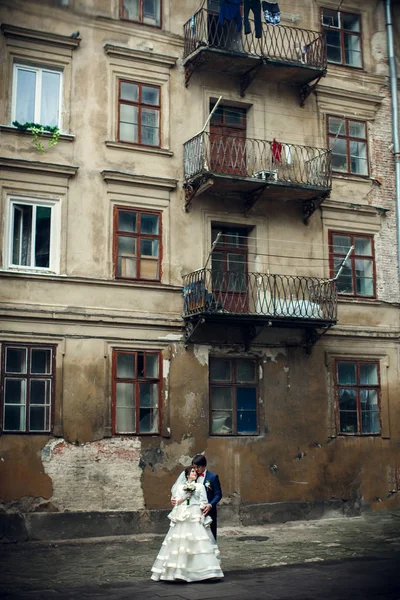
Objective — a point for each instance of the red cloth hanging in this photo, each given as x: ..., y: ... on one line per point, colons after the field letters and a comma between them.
x: 276, y: 151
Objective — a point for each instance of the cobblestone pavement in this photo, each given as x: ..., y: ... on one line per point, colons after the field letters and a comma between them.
x: 301, y: 552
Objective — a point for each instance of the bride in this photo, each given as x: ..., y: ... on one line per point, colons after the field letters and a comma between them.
x: 189, y: 551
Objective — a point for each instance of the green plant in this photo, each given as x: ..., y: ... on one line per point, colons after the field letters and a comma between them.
x: 37, y: 130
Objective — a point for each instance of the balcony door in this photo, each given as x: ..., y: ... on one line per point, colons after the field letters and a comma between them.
x: 229, y: 269
x: 228, y: 141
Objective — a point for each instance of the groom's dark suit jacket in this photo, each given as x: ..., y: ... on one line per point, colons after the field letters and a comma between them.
x: 214, y: 495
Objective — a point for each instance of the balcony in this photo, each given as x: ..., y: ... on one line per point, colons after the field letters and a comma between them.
x: 259, y: 300
x: 281, y: 54
x: 256, y: 169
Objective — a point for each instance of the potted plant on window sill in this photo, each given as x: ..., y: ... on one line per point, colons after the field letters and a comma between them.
x: 37, y: 130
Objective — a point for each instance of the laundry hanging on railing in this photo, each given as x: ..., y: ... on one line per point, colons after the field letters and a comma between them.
x: 229, y: 10
x: 276, y: 149
x: 255, y: 6
x: 272, y: 13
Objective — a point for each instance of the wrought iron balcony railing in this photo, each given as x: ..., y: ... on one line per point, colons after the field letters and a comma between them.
x: 277, y: 43
x: 262, y: 160
x: 274, y: 297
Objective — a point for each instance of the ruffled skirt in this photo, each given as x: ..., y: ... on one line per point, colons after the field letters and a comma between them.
x: 189, y: 551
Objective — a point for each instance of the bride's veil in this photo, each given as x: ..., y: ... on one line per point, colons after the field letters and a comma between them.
x: 180, y: 481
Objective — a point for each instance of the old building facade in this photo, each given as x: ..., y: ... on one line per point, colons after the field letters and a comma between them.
x: 168, y: 262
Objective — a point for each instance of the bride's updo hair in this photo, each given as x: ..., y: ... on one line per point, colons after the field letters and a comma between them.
x: 187, y: 471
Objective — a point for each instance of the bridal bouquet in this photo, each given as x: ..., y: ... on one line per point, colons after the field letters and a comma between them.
x: 189, y: 487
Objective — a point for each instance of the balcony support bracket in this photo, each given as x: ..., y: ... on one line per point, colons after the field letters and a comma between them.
x: 249, y: 332
x: 190, y: 329
x: 195, y: 188
x: 247, y: 78
x: 192, y: 66
x: 251, y: 198
x: 309, y: 208
x: 312, y: 337
x: 308, y: 89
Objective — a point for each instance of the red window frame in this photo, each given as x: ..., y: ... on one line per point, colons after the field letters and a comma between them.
x: 234, y: 385
x: 348, y: 138
x: 139, y: 105
x: 352, y: 260
x: 342, y: 33
x: 28, y: 377
x: 136, y: 381
x: 357, y: 387
x: 140, y: 20
x: 138, y: 236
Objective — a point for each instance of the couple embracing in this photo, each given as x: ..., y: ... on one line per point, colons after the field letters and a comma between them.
x: 189, y: 551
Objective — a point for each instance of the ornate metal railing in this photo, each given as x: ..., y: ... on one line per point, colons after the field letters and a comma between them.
x: 258, y: 159
x: 260, y: 294
x: 280, y: 42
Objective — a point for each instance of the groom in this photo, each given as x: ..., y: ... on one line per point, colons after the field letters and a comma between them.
x: 213, y: 489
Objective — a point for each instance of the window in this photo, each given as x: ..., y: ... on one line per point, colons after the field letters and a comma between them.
x: 27, y: 384
x: 343, y: 37
x: 358, y: 275
x: 143, y: 11
x: 139, y: 113
x: 36, y: 95
x: 32, y: 232
x: 137, y: 244
x: 357, y: 396
x: 136, y: 392
x: 233, y: 396
x: 347, y: 139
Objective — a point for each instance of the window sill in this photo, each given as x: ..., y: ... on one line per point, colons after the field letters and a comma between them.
x: 64, y: 137
x: 357, y: 300
x: 352, y: 177
x: 132, y: 147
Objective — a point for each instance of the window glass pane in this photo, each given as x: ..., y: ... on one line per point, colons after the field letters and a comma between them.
x: 125, y: 395
x: 247, y: 422
x: 363, y: 246
x: 334, y: 50
x: 368, y: 374
x: 16, y: 360
x: 129, y: 91
x: 246, y: 399
x: 125, y: 366
x: 347, y: 399
x: 357, y: 129
x: 348, y: 422
x: 14, y: 418
x: 339, y: 154
x: 127, y: 221
x: 150, y: 127
x: 22, y: 232
x: 14, y: 391
x: 350, y: 22
x: 130, y: 9
x: 140, y: 361
x: 246, y: 370
x: 42, y: 239
x: 128, y: 133
x: 369, y: 399
x: 149, y: 224
x: 221, y: 398
x: 148, y: 420
x: 128, y: 114
x: 364, y: 277
x: 49, y: 109
x: 344, y: 284
x: 330, y: 18
x: 39, y: 391
x: 25, y: 101
x: 341, y: 244
x: 220, y: 369
x: 148, y: 247
x: 38, y: 418
x: 352, y: 50
x: 151, y: 12
x: 40, y: 360
x: 347, y: 373
x: 152, y: 363
x: 150, y: 95
x: 370, y: 422
x: 148, y: 395
x: 126, y: 246
x: 234, y: 118
x: 358, y: 158
x: 337, y: 126
x: 125, y: 420
x: 221, y: 422
x: 237, y: 264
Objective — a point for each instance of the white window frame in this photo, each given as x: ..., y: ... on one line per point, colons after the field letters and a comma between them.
x: 54, y: 256
x: 38, y: 91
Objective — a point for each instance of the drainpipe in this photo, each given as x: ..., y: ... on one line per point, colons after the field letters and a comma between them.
x: 395, y: 118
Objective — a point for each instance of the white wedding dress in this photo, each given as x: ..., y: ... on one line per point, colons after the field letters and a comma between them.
x: 189, y: 551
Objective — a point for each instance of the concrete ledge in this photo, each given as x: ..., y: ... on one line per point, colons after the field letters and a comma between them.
x: 76, y: 525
